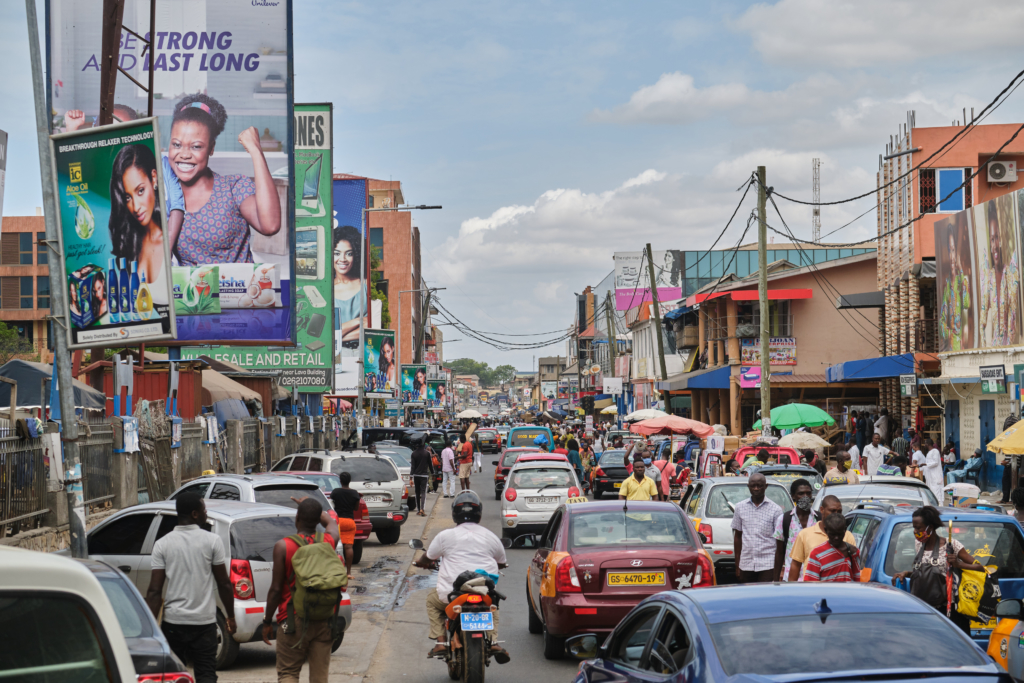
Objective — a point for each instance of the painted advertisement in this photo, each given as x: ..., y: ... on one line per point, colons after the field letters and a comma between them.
x: 309, y: 366
x: 632, y: 277
x: 437, y: 394
x: 781, y: 351
x: 414, y: 385
x: 223, y: 97
x: 977, y: 278
x: 350, y: 198
x: 380, y: 379
x: 114, y: 251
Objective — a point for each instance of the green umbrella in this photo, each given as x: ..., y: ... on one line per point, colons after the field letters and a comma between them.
x: 793, y: 415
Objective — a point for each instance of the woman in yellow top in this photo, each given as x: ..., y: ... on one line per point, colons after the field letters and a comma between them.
x: 638, y: 487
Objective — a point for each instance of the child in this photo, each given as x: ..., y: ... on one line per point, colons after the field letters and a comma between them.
x: 835, y: 560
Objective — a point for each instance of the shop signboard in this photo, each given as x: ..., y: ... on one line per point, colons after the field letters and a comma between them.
x: 781, y: 351
x: 379, y: 378
x: 612, y: 386
x: 633, y: 282
x: 111, y: 199
x: 908, y: 386
x: 414, y: 385
x: 993, y: 379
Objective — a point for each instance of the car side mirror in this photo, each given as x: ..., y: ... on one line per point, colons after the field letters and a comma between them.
x: 506, y: 542
x: 525, y: 541
x: 702, y: 537
x: 583, y: 646
x: 494, y: 462
x: 1009, y: 608
x: 416, y: 544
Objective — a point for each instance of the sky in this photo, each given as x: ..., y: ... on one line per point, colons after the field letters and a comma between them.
x: 557, y: 133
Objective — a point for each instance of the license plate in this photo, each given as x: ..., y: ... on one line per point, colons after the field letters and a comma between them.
x: 477, y: 621
x: 618, y: 484
x: 373, y: 499
x: 636, y: 578
x: 544, y: 500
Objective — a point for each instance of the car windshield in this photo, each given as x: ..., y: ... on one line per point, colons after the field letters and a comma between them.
x: 326, y: 482
x: 366, y: 469
x: 809, y: 645
x: 589, y: 529
x: 899, y: 496
x: 282, y: 494
x: 401, y: 459
x: 611, y: 459
x: 537, y: 477
x: 135, y: 623
x: 993, y: 544
x: 511, y: 456
x: 254, y: 539
x: 488, y: 432
x: 525, y: 437
x: 721, y: 496
x: 788, y: 477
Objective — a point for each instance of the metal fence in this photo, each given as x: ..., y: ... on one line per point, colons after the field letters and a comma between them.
x: 97, y: 451
x: 22, y: 481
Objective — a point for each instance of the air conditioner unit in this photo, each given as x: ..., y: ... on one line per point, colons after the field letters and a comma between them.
x: 1002, y: 171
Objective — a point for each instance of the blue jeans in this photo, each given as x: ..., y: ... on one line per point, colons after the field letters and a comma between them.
x: 954, y: 476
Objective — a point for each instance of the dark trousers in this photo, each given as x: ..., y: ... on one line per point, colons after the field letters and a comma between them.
x: 763, y: 576
x: 961, y: 621
x: 196, y: 645
x: 1007, y: 481
x: 421, y: 489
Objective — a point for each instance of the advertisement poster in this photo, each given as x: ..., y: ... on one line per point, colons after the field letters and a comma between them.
x: 115, y: 254
x: 309, y: 365
x: 781, y: 351
x: 350, y: 198
x: 632, y: 277
x: 380, y: 379
x: 993, y: 379
x: 977, y: 278
x: 437, y: 394
x: 223, y: 97
x: 750, y: 377
x: 549, y: 389
x: 414, y: 384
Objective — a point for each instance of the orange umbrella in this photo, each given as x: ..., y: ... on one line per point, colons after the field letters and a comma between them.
x: 672, y: 424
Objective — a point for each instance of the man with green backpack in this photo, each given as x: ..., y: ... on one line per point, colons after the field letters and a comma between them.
x: 305, y: 591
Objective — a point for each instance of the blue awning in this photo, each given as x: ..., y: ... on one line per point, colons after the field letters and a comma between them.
x: 868, y: 369
x: 709, y: 378
x: 677, y: 313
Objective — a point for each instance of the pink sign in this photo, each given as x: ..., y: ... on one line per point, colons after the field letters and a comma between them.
x: 750, y: 377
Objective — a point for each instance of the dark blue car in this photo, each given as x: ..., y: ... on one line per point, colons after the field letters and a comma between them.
x: 885, y: 538
x: 783, y: 632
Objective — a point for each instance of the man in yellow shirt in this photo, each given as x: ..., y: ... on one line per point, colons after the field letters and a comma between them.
x: 814, y: 535
x: 638, y: 487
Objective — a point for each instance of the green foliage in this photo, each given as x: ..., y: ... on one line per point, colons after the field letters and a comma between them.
x: 376, y: 294
x: 11, y: 344
x: 489, y: 377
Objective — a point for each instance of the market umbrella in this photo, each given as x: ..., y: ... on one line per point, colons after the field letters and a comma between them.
x: 794, y: 415
x: 468, y: 414
x: 803, y: 440
x: 672, y: 424
x: 1010, y: 442
x: 610, y: 410
x: 644, y: 414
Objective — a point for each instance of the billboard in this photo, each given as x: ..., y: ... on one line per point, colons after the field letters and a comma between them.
x: 379, y: 362
x: 414, y: 384
x: 350, y: 198
x: 437, y: 393
x: 781, y: 351
x: 632, y: 277
x: 114, y: 253
x: 309, y: 366
x: 223, y: 96
x: 977, y: 264
x: 549, y: 389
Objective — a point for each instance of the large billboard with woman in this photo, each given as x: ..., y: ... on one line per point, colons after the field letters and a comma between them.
x: 380, y: 364
x: 223, y: 97
x: 414, y: 385
x: 350, y: 198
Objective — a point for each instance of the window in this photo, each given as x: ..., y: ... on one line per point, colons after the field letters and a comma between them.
x: 694, y: 503
x: 167, y: 524
x: 300, y: 463
x: 366, y: 469
x: 670, y: 649
x: 42, y: 258
x: 615, y: 528
x: 129, y: 609
x: 225, y: 492
x: 254, y: 539
x: 282, y: 494
x: 948, y: 181
x: 123, y: 536
x: 377, y: 237
x: 547, y: 539
x: 370, y: 199
x: 992, y: 544
x: 198, y: 489
x: 25, y: 249
x: 281, y: 465
x: 42, y: 291
x: 723, y: 496
x: 629, y: 643
x: 27, y: 291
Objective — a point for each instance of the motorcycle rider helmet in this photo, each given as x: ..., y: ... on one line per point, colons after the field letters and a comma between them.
x: 467, y: 508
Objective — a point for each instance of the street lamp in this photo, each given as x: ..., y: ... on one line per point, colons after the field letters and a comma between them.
x: 362, y: 309
x: 398, y: 337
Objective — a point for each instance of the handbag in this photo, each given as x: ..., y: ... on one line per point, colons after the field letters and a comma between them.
x: 928, y: 581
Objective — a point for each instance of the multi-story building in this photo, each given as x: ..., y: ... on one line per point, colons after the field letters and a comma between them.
x: 549, y: 370
x: 25, y: 280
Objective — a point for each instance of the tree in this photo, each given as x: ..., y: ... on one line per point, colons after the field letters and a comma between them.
x: 375, y: 294
x: 504, y: 374
x: 11, y: 344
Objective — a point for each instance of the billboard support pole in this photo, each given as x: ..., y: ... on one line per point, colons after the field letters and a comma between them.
x: 657, y: 322
x: 113, y: 14
x: 58, y: 292
x: 762, y: 289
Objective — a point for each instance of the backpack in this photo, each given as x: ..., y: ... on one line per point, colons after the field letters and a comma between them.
x: 787, y: 519
x: 319, y: 577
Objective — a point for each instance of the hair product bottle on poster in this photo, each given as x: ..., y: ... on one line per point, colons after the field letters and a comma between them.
x: 113, y: 298
x: 125, y: 308
x: 144, y: 301
x: 134, y: 295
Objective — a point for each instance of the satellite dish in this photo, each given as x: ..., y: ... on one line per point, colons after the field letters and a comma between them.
x: 595, y: 368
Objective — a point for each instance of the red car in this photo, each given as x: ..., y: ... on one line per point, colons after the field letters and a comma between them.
x: 596, y: 560
x: 327, y: 483
x: 503, y: 464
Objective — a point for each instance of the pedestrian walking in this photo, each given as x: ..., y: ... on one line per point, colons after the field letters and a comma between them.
x: 449, y: 468
x: 791, y: 523
x: 346, y: 501
x: 834, y: 561
x: 900, y: 445
x: 843, y: 472
x: 753, y: 529
x: 813, y: 536
x: 477, y: 459
x: 932, y: 470
x: 306, y: 630
x: 882, y: 425
x: 420, y: 469
x: 638, y: 486
x: 1008, y: 482
x: 191, y: 561
x: 874, y: 453
x: 465, y: 461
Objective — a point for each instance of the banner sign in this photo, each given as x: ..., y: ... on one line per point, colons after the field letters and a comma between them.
x: 633, y: 281
x: 549, y: 389
x: 223, y: 95
x: 993, y: 379
x: 437, y: 393
x: 350, y: 198
x: 414, y: 385
x: 781, y: 351
x: 908, y: 386
x: 750, y: 377
x: 379, y: 378
x: 612, y: 385
x: 309, y: 366
x: 114, y: 252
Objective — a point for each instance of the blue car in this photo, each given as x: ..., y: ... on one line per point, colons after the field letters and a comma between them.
x: 885, y: 538
x: 787, y: 633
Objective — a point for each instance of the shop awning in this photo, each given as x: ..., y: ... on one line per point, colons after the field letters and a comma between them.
x: 885, y: 367
x: 751, y: 295
x: 710, y: 378
x: 677, y: 313
x: 865, y: 300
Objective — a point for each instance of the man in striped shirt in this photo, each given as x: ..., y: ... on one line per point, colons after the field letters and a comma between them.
x: 900, y: 445
x: 835, y: 560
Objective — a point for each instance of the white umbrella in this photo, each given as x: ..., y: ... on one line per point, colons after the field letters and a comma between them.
x: 803, y: 440
x: 610, y: 410
x: 468, y: 414
x: 645, y: 414
x: 962, y: 489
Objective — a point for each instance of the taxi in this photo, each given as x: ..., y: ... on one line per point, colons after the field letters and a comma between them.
x: 488, y: 440
x: 596, y: 560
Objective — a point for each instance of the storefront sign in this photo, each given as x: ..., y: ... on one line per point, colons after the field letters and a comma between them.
x: 908, y: 386
x: 993, y: 379
x: 781, y: 351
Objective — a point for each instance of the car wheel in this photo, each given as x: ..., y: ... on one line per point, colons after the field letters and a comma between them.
x: 554, y: 647
x: 227, y: 647
x: 337, y: 642
x: 533, y: 622
x: 357, y: 552
x: 389, y: 536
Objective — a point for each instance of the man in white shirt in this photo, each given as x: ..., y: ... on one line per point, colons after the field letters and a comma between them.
x: 448, y: 470
x: 875, y: 454
x: 932, y: 470
x: 851, y: 448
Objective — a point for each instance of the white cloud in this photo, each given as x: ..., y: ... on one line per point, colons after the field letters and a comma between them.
x: 819, y: 33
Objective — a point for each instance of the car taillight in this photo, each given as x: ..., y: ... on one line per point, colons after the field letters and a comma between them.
x: 405, y: 494
x: 704, y: 575
x: 706, y: 530
x: 179, y: 677
x: 510, y: 494
x: 363, y: 512
x: 241, y: 579
x: 599, y: 472
x: 566, y: 580
x: 574, y: 492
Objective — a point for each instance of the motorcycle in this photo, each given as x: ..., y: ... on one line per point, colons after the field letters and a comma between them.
x: 469, y: 623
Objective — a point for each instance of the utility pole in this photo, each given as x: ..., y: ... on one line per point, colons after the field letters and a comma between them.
x: 816, y: 198
x: 762, y: 295
x: 657, y: 321
x: 579, y: 370
x: 613, y: 340
x: 58, y: 292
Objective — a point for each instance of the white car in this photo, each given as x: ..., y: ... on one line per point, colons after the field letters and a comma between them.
x: 534, y: 488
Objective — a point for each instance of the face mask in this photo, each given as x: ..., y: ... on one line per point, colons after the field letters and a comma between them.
x: 848, y: 464
x: 804, y: 503
x: 647, y: 461
x: 921, y: 535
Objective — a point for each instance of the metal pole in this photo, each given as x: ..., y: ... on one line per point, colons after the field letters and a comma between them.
x: 361, y: 374
x: 762, y: 291
x: 113, y: 12
x: 657, y: 322
x: 58, y: 291
x: 398, y: 360
x: 152, y: 54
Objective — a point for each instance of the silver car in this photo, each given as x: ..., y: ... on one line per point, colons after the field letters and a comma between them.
x: 710, y: 503
x: 533, y: 491
x: 272, y: 489
x: 306, y: 461
x: 248, y: 530
x: 881, y: 490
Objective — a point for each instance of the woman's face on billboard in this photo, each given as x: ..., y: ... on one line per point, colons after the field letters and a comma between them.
x: 994, y: 246
x: 190, y: 149
x: 140, y: 193
x: 952, y: 250
x: 420, y: 377
x: 389, y: 353
x: 344, y: 257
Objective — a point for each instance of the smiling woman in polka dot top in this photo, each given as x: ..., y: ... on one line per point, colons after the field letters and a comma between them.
x: 219, y: 209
